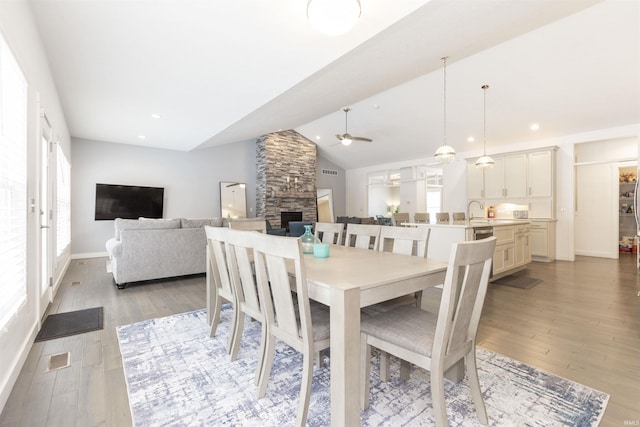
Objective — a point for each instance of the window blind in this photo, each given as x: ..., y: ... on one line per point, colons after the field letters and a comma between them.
x: 13, y: 185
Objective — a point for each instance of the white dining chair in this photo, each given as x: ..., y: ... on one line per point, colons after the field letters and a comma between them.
x: 404, y: 240
x: 220, y: 284
x: 437, y: 342
x: 363, y: 236
x: 249, y: 225
x: 239, y: 250
x: 297, y: 324
x: 329, y: 232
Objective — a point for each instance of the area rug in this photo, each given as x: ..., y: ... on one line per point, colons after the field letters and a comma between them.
x: 177, y: 375
x: 70, y: 323
x: 519, y: 281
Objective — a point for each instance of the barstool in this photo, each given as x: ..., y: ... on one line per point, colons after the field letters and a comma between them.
x: 442, y: 217
x: 458, y: 217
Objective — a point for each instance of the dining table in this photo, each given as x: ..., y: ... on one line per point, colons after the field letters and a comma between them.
x: 347, y: 280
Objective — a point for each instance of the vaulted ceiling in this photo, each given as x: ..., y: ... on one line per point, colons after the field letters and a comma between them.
x: 219, y: 72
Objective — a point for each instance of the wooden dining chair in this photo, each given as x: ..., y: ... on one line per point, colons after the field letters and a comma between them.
x: 404, y: 240
x: 437, y: 342
x: 218, y: 282
x: 329, y: 232
x: 421, y: 217
x: 302, y: 328
x: 249, y: 225
x: 363, y: 236
x: 239, y: 250
x: 399, y: 217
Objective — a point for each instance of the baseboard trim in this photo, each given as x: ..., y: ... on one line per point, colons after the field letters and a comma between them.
x: 90, y: 255
x: 7, y: 387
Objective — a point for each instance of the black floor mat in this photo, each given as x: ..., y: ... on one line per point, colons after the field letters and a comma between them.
x: 70, y: 323
x: 520, y: 282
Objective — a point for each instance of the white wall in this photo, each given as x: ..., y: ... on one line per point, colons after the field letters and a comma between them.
x: 191, y: 181
x: 19, y: 31
x: 455, y: 187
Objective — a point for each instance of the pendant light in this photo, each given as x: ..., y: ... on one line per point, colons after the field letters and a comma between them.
x: 485, y: 162
x: 445, y: 153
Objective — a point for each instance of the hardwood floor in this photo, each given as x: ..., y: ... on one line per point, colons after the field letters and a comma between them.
x: 581, y: 323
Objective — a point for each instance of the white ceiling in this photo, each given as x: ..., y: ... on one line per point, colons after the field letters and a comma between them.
x: 220, y: 72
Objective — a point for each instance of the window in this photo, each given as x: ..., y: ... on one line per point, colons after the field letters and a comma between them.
x: 13, y: 185
x: 63, y: 202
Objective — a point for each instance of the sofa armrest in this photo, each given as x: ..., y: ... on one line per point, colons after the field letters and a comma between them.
x: 114, y: 247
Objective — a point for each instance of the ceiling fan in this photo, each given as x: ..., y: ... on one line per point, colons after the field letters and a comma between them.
x: 346, y: 138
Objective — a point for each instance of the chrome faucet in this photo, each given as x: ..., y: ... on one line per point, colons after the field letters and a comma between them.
x: 469, y: 215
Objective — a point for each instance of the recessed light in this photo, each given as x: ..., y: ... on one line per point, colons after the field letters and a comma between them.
x: 155, y: 116
x: 317, y: 136
x: 471, y: 139
x: 142, y: 137
x: 534, y: 126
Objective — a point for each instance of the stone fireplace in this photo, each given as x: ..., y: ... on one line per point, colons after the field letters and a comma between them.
x: 286, y: 176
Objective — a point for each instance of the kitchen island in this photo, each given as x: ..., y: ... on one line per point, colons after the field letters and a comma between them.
x: 513, y: 248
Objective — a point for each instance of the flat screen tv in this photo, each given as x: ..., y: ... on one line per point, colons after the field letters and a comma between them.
x: 128, y: 201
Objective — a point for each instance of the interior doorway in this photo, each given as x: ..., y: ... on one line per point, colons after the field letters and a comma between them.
x: 324, y: 202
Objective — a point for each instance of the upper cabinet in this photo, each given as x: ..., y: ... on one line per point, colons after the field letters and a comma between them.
x: 507, y: 178
x: 520, y: 177
x: 541, y: 173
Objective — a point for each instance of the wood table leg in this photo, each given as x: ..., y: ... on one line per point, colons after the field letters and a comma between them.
x: 345, y: 357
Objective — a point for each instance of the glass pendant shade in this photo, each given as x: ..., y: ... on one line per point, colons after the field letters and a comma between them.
x: 484, y: 162
x: 445, y: 154
x: 333, y: 17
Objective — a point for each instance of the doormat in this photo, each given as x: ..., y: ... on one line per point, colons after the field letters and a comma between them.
x: 70, y: 323
x: 518, y: 281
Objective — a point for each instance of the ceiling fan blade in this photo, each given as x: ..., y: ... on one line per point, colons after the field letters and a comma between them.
x: 360, y: 138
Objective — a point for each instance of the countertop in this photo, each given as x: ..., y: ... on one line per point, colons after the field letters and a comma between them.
x: 472, y: 223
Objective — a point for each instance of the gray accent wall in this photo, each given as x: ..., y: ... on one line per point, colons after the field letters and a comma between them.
x: 191, y: 181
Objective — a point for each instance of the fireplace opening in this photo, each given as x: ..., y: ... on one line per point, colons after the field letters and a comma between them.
x: 285, y: 217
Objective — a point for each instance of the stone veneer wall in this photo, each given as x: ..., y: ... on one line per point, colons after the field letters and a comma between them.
x: 281, y: 155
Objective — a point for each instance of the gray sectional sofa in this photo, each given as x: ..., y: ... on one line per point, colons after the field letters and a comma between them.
x: 147, y: 249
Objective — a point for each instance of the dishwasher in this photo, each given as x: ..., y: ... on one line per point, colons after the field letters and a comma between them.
x: 480, y: 233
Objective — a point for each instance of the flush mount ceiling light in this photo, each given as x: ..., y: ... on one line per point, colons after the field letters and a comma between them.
x: 485, y: 161
x: 333, y: 17
x: 445, y: 154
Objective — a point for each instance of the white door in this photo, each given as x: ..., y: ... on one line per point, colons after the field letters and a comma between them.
x: 45, y: 252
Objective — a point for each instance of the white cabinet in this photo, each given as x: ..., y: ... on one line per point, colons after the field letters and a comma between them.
x: 522, y: 245
x: 518, y: 178
x: 543, y: 241
x: 507, y: 178
x: 504, y: 254
x: 475, y: 182
x: 541, y: 173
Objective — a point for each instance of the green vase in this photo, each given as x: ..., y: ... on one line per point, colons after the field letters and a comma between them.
x: 308, y: 239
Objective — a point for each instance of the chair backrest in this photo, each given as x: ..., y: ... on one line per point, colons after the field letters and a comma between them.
x: 458, y: 216
x: 421, y: 217
x: 405, y: 240
x: 331, y: 232
x: 271, y: 255
x: 249, y: 225
x: 400, y: 217
x: 239, y: 250
x: 296, y: 228
x: 216, y: 238
x: 465, y: 287
x: 363, y: 236
x: 442, y: 217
